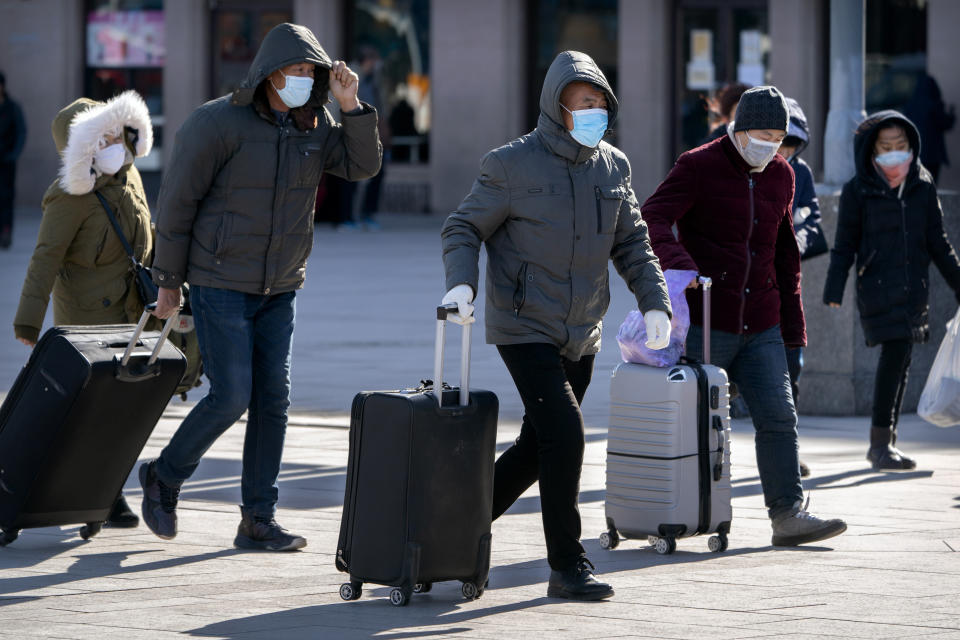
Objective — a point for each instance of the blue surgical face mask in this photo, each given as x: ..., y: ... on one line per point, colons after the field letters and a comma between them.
x: 296, y: 91
x: 589, y: 125
x: 893, y: 158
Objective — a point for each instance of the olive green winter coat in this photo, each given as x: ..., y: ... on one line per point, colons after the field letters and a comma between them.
x: 78, y: 256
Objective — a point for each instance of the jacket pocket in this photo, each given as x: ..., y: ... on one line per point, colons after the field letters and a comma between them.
x: 223, y: 236
x: 609, y: 198
x: 309, y: 165
x: 520, y: 293
x: 866, y: 263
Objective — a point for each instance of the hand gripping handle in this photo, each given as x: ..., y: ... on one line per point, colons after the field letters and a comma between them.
x: 444, y: 313
x: 124, y: 371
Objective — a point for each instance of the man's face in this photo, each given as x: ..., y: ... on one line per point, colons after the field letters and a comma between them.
x: 302, y: 69
x: 891, y: 139
x: 580, y: 95
x: 768, y: 135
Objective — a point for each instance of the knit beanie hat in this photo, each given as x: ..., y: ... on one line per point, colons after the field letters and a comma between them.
x: 761, y: 108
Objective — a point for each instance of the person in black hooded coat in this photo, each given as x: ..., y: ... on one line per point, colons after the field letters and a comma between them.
x: 891, y: 224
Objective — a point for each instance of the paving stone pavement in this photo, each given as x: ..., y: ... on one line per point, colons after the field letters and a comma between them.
x: 894, y: 574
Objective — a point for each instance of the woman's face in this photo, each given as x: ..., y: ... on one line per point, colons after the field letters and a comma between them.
x: 110, y: 139
x: 891, y: 139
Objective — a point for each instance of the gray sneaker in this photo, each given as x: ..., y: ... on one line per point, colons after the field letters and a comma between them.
x: 797, y: 526
x: 264, y: 534
x: 159, y: 508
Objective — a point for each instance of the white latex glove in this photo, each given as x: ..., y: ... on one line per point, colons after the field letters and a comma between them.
x: 462, y: 294
x: 658, y: 329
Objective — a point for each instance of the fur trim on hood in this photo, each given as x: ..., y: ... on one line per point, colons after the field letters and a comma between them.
x: 89, y: 122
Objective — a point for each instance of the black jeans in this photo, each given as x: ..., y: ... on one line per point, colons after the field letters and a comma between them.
x: 550, y: 445
x: 890, y: 382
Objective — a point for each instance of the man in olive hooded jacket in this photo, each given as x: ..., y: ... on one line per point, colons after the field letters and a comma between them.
x: 553, y: 207
x: 235, y: 220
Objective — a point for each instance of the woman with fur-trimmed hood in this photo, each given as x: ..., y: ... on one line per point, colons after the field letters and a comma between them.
x: 78, y: 256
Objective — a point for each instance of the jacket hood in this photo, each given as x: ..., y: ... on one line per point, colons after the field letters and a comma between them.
x: 797, y: 125
x: 567, y: 67
x: 284, y: 45
x: 78, y: 128
x: 866, y: 136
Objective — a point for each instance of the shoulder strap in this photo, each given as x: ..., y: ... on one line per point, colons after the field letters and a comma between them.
x: 116, y: 227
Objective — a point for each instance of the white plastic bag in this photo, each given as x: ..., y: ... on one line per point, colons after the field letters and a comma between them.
x: 632, y: 336
x: 940, y: 400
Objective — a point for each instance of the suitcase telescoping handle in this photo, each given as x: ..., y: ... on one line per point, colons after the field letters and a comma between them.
x: 443, y: 314
x: 705, y: 284
x: 167, y: 326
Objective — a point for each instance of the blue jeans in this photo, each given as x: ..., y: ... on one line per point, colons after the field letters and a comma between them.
x: 758, y: 365
x: 245, y: 343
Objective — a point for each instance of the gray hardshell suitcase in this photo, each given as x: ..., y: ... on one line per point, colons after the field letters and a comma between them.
x: 668, y: 451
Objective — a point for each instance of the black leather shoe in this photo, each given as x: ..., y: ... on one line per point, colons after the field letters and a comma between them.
x: 578, y: 583
x: 121, y: 516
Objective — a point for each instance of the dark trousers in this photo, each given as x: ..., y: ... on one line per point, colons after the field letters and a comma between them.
x: 7, y: 178
x: 550, y: 445
x: 891, y: 381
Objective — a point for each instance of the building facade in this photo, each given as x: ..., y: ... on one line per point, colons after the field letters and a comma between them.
x: 459, y: 77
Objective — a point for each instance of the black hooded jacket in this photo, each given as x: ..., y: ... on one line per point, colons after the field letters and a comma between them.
x: 893, y: 235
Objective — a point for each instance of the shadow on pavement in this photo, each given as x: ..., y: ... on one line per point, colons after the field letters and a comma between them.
x: 302, y: 486
x: 96, y: 565
x: 830, y: 481
x: 440, y: 610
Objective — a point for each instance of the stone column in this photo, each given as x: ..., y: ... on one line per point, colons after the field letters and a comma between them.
x: 186, y: 75
x: 645, y: 61
x: 798, y: 38
x: 846, y: 89
x: 943, y: 16
x: 325, y: 18
x: 476, y: 77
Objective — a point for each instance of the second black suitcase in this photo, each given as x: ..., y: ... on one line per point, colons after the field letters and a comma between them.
x: 419, y: 492
x: 75, y: 421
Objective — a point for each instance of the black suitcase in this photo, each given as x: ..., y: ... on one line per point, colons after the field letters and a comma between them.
x: 419, y: 490
x: 76, y: 419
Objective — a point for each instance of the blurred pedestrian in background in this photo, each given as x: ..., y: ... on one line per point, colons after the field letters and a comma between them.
x: 722, y: 108
x: 890, y: 223
x: 13, y: 134
x: 932, y: 118
x: 79, y: 257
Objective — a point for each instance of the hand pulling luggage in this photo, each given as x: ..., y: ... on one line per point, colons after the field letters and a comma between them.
x: 419, y: 492
x: 668, y: 451
x: 76, y: 419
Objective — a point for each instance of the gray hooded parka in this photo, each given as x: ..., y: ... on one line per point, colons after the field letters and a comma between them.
x: 237, y: 201
x: 552, y: 213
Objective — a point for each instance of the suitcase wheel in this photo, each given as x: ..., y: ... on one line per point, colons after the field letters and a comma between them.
x: 422, y: 587
x: 351, y: 590
x: 399, y: 597
x: 90, y: 529
x: 8, y: 535
x: 609, y: 539
x: 717, y: 543
x: 470, y: 591
x: 665, y: 546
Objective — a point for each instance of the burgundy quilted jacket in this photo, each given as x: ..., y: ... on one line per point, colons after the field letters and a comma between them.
x: 735, y: 227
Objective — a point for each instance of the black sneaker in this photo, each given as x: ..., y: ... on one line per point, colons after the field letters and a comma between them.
x: 264, y: 534
x: 159, y: 503
x: 121, y: 516
x: 578, y: 583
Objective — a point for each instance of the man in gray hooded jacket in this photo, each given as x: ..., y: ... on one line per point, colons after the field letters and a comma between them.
x: 553, y: 207
x: 235, y: 220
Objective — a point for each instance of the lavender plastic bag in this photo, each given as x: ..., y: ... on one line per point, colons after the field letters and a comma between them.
x: 632, y: 336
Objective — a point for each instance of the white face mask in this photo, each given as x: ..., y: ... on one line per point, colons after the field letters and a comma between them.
x: 757, y: 153
x: 296, y: 91
x: 110, y: 159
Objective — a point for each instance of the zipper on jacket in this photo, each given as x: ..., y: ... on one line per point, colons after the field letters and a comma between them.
x: 906, y: 245
x: 866, y: 263
x: 520, y: 293
x: 596, y: 191
x: 746, y: 277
